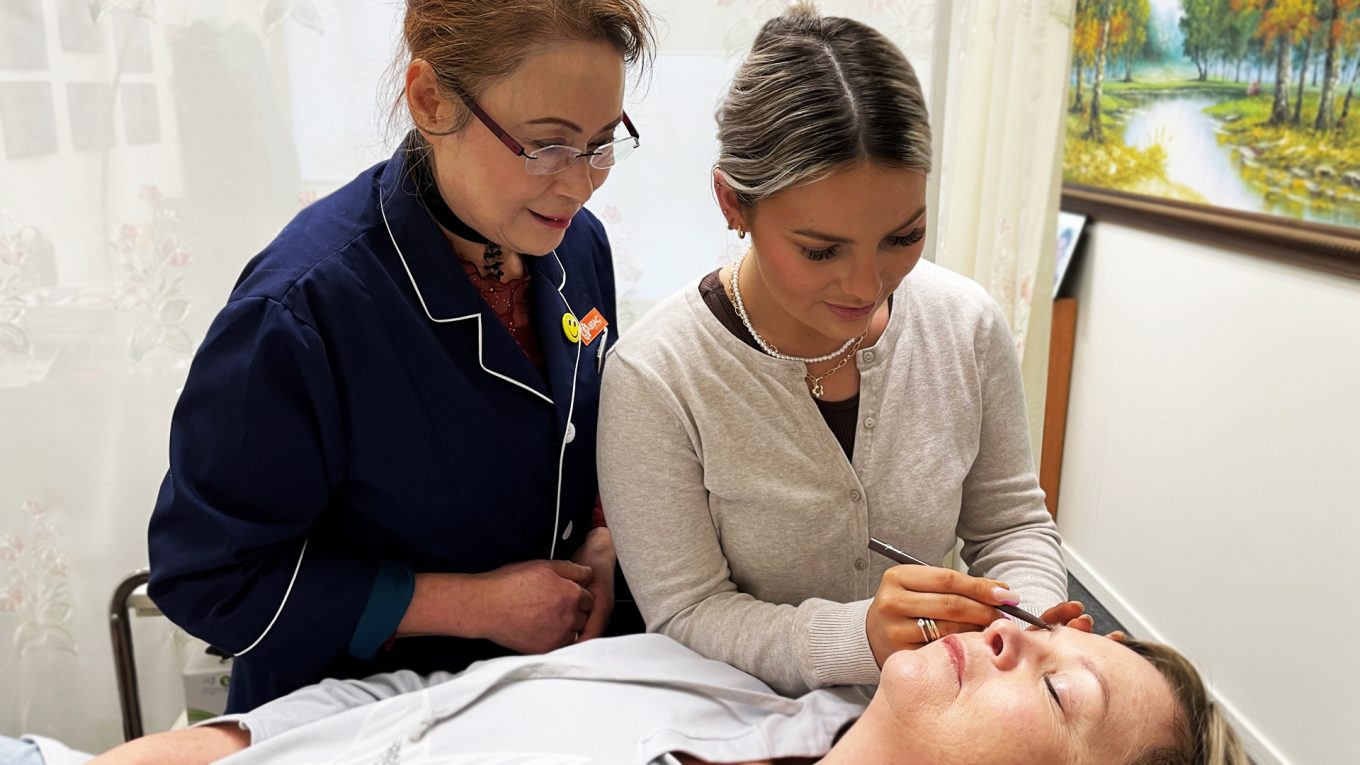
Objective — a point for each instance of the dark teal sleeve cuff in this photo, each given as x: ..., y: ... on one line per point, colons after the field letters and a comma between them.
x: 387, y: 604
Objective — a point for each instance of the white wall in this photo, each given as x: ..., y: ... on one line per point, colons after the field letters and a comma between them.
x: 1211, y: 476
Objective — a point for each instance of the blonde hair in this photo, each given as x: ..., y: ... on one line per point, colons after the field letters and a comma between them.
x: 1200, y: 733
x: 471, y: 44
x: 813, y: 95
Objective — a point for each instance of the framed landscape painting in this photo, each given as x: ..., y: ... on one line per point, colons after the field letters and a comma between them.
x: 1229, y: 121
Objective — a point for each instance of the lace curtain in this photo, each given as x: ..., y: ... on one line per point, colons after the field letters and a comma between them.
x: 149, y: 149
x: 999, y: 150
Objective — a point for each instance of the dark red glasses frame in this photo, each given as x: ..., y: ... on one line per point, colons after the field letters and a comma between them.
x: 516, y: 146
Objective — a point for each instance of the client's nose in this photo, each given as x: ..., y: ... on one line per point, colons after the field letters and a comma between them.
x: 1006, y: 642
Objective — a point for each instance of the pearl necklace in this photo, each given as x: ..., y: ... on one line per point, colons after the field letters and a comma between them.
x: 766, y: 346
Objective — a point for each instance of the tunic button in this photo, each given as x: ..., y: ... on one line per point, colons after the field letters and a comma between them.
x: 571, y: 432
x: 855, y: 495
x: 861, y: 564
x: 571, y: 328
x: 869, y: 422
x: 868, y: 357
x: 567, y: 531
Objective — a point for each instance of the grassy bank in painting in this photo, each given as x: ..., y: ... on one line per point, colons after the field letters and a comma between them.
x: 1292, y: 164
x: 1113, y: 164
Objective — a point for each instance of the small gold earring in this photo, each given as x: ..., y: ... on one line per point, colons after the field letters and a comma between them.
x: 741, y: 233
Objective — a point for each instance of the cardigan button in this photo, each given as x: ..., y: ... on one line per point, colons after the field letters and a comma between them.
x: 867, y: 357
x: 567, y: 531
x: 861, y: 564
x: 571, y: 432
x: 856, y: 496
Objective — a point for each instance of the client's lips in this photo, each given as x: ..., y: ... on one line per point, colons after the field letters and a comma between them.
x: 957, y: 656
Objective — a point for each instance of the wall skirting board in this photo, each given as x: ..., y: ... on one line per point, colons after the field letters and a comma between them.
x: 1260, y: 750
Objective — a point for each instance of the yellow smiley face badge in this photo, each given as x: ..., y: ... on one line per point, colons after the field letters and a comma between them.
x: 571, y: 328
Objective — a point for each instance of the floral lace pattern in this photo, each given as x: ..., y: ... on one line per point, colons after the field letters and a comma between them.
x: 152, y: 259
x: 13, y: 284
x: 37, y: 592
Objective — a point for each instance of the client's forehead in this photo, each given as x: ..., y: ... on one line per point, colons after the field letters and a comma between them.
x: 1141, y: 705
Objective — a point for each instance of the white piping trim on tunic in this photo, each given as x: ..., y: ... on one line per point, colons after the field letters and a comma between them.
x: 477, y: 316
x: 571, y: 409
x: 282, y: 603
x: 571, y: 403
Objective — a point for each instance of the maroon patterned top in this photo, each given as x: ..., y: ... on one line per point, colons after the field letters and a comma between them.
x: 510, y: 302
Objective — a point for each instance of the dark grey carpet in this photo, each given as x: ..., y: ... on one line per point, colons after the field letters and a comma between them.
x: 1105, y: 622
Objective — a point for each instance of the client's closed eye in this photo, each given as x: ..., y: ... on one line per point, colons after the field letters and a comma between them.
x: 1048, y: 682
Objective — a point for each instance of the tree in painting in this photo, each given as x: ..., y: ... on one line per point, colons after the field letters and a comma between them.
x: 1244, y: 104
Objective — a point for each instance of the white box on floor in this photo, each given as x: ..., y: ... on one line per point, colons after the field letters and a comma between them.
x: 206, y: 680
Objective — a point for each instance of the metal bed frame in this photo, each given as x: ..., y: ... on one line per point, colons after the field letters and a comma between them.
x: 128, y: 596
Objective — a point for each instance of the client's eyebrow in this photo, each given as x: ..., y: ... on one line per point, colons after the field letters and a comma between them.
x: 1100, y: 678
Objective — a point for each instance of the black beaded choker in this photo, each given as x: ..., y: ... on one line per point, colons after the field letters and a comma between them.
x: 493, y: 264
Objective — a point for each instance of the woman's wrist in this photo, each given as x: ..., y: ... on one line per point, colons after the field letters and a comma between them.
x: 430, y: 613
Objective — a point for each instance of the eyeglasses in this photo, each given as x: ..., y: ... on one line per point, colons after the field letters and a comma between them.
x: 551, y: 160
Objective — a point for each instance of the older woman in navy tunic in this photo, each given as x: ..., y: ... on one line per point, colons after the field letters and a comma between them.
x: 383, y: 457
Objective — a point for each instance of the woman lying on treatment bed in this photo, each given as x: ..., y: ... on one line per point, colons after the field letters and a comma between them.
x: 996, y: 696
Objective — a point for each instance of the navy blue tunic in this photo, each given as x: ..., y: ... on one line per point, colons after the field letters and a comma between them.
x: 356, y: 410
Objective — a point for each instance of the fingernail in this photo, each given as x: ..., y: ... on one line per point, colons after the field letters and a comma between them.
x: 1005, y: 596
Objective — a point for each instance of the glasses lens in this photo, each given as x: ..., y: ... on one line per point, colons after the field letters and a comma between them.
x: 550, y: 160
x: 613, y: 153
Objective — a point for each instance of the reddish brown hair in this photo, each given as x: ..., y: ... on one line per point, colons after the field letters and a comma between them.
x: 473, y: 43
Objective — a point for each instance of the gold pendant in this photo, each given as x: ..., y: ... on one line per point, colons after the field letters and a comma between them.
x: 817, y: 390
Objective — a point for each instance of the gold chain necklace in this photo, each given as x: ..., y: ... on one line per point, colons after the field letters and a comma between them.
x: 817, y: 389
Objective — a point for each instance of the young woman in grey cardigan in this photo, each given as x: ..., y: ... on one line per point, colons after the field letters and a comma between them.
x: 758, y: 427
